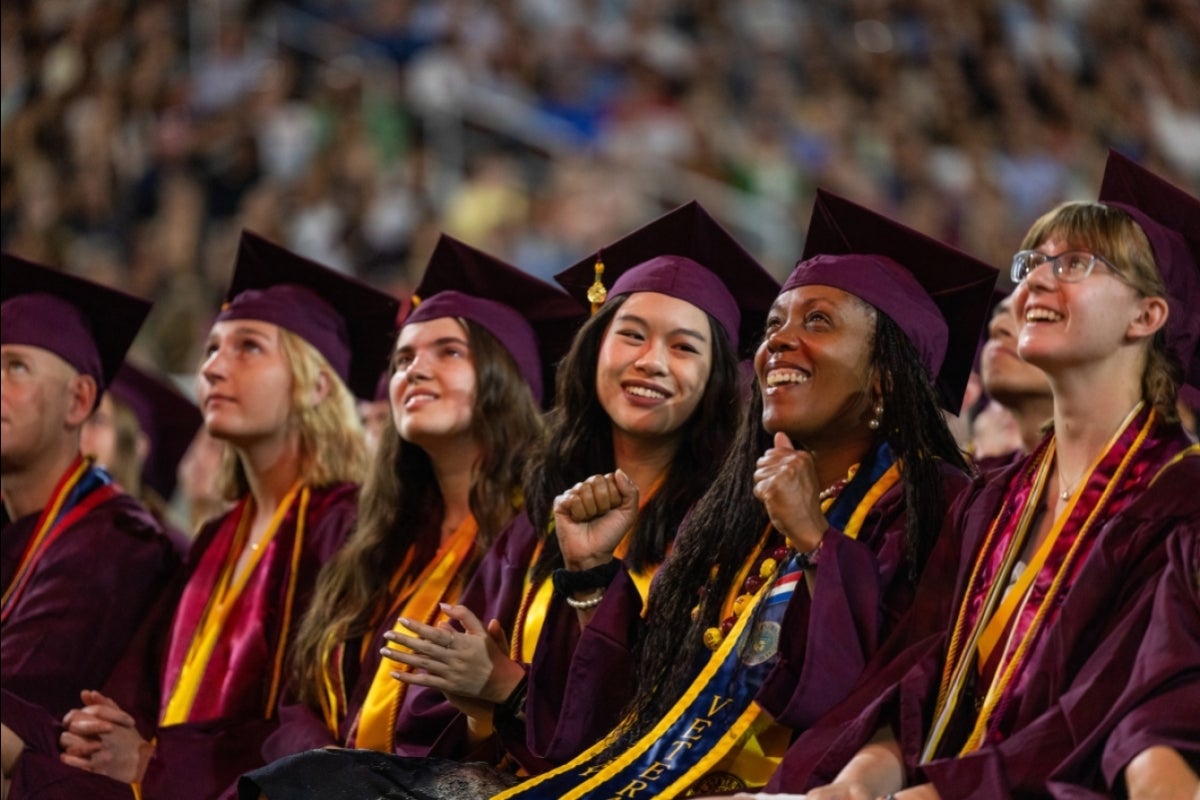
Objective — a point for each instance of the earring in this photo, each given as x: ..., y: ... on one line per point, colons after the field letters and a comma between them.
x: 875, y: 421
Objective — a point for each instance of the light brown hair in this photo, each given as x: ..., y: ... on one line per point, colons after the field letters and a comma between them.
x: 1113, y: 234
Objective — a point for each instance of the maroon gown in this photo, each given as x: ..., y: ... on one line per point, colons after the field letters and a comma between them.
x: 861, y: 591
x: 39, y: 774
x: 200, y: 759
x: 84, y: 601
x: 426, y: 724
x: 1108, y: 680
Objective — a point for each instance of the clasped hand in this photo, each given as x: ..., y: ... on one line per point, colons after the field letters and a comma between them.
x: 470, y: 666
x: 102, y: 738
x: 593, y: 516
x: 785, y: 481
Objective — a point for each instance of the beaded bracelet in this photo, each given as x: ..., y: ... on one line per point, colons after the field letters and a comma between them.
x: 582, y: 605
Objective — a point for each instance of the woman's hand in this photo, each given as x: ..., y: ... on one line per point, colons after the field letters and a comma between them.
x: 785, y: 481
x: 102, y: 738
x: 11, y: 747
x: 591, y: 518
x: 467, y: 665
x: 877, y: 770
x: 841, y: 791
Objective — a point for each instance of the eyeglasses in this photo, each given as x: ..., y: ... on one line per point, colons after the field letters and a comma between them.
x: 1069, y: 267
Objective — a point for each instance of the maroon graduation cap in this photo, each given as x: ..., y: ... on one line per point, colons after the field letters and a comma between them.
x: 938, y: 295
x: 685, y: 254
x: 1170, y: 218
x: 167, y: 418
x: 533, y: 320
x: 349, y: 323
x: 85, y: 324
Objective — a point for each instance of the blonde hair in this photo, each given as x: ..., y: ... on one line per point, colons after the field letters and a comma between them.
x: 1113, y: 234
x: 332, y: 444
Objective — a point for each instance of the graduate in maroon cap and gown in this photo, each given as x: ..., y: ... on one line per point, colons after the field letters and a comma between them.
x: 790, y: 571
x: 705, y: 271
x: 1070, y: 641
x: 465, y: 386
x: 275, y: 386
x: 139, y: 433
x: 647, y: 346
x: 81, y: 561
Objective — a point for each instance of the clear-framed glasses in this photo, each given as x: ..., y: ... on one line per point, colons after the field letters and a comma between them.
x: 1069, y: 267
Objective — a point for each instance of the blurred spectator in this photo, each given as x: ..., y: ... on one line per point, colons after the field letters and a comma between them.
x: 138, y: 138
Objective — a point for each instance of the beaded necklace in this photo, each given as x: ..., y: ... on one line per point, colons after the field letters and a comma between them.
x: 772, y: 553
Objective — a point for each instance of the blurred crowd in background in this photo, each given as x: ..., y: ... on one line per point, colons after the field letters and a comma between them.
x: 140, y: 137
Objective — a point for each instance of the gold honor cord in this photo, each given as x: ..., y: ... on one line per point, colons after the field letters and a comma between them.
x: 699, y: 706
x: 989, y: 626
x: 217, y: 611
x: 333, y: 650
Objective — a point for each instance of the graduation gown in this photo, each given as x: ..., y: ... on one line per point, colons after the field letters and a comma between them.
x: 83, y: 601
x: 861, y: 590
x: 38, y: 773
x: 1102, y: 671
x: 426, y: 724
x: 203, y: 756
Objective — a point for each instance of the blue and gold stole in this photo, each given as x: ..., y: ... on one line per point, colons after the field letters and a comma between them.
x: 717, y: 712
x: 82, y: 487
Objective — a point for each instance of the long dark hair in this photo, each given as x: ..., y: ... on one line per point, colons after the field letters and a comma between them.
x: 580, y: 444
x: 728, y: 521
x: 400, y: 509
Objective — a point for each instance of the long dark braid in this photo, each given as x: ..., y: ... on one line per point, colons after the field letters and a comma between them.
x: 728, y: 521
x: 916, y: 429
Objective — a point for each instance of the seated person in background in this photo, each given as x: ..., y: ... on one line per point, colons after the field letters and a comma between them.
x: 139, y: 432
x: 82, y: 562
x: 1020, y: 388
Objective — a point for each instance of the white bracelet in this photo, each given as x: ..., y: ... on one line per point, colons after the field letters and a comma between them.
x: 583, y: 605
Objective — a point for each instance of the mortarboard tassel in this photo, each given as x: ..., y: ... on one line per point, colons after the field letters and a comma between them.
x: 596, y: 293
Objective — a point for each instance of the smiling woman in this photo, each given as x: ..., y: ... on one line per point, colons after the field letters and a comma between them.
x: 465, y: 381
x: 1052, y: 671
x: 647, y: 398
x: 432, y: 388
x: 803, y: 552
x: 654, y: 364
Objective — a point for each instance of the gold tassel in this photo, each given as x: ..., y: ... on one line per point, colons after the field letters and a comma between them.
x: 414, y: 301
x: 596, y: 293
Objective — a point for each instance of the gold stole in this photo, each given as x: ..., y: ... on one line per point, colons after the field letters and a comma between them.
x: 532, y: 615
x: 377, y: 719
x: 212, y: 623
x: 1000, y: 609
